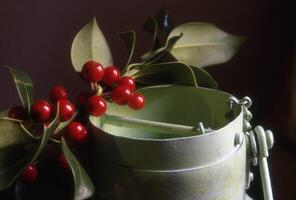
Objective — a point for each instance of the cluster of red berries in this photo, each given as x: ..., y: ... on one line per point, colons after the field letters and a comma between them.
x: 42, y: 112
x: 122, y: 88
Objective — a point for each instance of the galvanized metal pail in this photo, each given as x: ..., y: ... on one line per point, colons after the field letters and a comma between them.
x: 136, y: 163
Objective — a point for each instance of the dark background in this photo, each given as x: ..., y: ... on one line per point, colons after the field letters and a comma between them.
x: 36, y: 36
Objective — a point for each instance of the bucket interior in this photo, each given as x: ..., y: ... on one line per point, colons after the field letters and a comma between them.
x: 181, y: 105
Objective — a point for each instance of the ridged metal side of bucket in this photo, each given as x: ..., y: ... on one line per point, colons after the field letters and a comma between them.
x: 220, y: 181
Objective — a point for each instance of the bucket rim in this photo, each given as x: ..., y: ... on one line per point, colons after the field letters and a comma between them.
x: 214, y: 132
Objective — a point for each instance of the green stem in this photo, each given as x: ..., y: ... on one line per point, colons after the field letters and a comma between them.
x: 130, y: 67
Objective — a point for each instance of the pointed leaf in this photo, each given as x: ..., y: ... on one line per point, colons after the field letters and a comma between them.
x: 151, y: 26
x: 90, y: 44
x: 24, y: 86
x: 15, y: 156
x: 84, y: 187
x: 204, y: 79
x: 159, y: 26
x: 132, y: 71
x: 166, y: 73
x: 62, y: 125
x: 164, y: 21
x: 153, y: 56
x: 13, y: 153
x: 129, y: 38
x: 204, y: 44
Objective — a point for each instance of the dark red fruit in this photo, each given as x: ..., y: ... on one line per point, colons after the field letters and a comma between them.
x: 30, y: 174
x: 96, y: 105
x: 17, y: 112
x: 41, y: 111
x: 137, y: 101
x: 121, y: 95
x: 62, y: 161
x: 111, y: 76
x: 127, y: 81
x: 66, y: 110
x: 92, y: 71
x: 77, y: 133
x: 82, y: 98
x: 58, y: 93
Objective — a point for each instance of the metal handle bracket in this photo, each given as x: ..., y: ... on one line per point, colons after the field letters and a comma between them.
x: 262, y: 141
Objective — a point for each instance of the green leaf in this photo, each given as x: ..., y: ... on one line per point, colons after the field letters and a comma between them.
x: 13, y: 153
x: 204, y: 44
x: 90, y: 44
x: 132, y: 71
x: 151, y: 26
x: 165, y: 23
x: 204, y: 79
x: 159, y: 26
x: 24, y: 86
x: 62, y: 125
x: 15, y: 156
x: 153, y: 56
x: 84, y: 187
x: 166, y: 73
x: 129, y: 38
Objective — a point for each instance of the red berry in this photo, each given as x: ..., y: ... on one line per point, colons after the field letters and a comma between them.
x: 137, y: 101
x: 92, y: 71
x: 29, y: 174
x: 41, y: 111
x: 63, y: 161
x: 66, y: 110
x: 17, y: 112
x: 111, y: 76
x: 81, y: 98
x: 128, y: 81
x: 77, y: 133
x: 121, y: 95
x: 58, y: 93
x: 96, y: 105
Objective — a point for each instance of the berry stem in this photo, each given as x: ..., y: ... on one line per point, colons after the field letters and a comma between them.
x: 93, y: 87
x: 98, y: 89
x: 56, y: 141
x: 29, y: 133
x: 106, y: 94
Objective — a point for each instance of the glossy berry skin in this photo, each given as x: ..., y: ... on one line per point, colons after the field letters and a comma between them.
x: 17, y: 112
x: 30, y: 174
x: 62, y: 161
x: 127, y: 81
x: 77, y: 133
x: 58, y: 93
x: 66, y: 110
x: 96, y: 105
x: 92, y: 71
x: 111, y: 76
x: 41, y: 111
x: 82, y: 98
x: 121, y: 95
x: 137, y: 101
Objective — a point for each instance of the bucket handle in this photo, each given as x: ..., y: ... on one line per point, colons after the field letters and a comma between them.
x: 162, y: 127
x: 260, y: 142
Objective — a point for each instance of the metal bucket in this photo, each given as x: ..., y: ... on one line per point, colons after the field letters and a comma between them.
x: 134, y: 163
